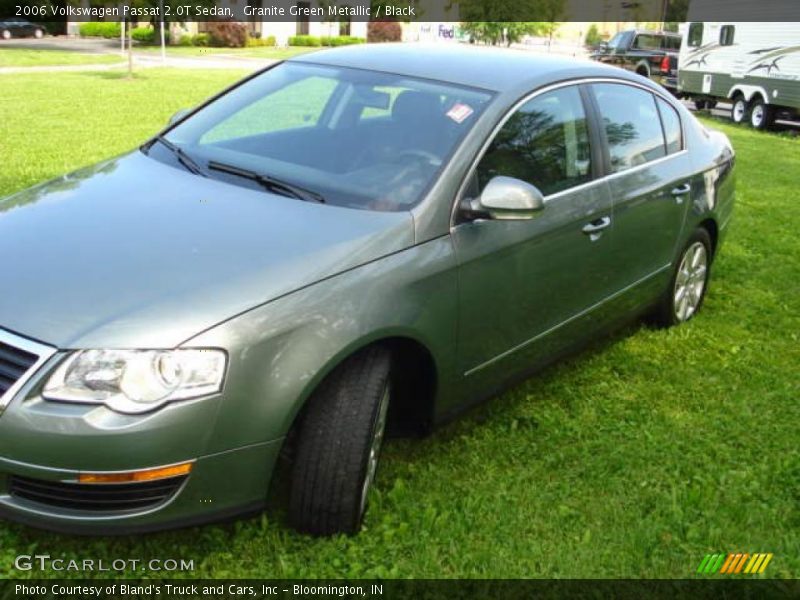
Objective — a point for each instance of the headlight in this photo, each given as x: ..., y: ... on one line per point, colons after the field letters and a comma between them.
x: 136, y: 381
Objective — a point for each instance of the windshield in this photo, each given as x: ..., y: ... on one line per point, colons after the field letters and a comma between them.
x: 356, y: 138
x: 620, y: 40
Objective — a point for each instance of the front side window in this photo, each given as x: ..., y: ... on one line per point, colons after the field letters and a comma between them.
x: 354, y: 137
x: 632, y: 125
x: 695, y: 37
x: 545, y: 142
x: 647, y: 42
x: 672, y: 126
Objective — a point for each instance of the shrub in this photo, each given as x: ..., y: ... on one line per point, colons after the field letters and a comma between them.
x: 201, y: 39
x: 384, y: 31
x: 185, y: 40
x: 593, y: 37
x: 304, y: 40
x: 100, y: 29
x: 255, y: 42
x: 341, y: 40
x: 228, y: 34
x: 144, y: 35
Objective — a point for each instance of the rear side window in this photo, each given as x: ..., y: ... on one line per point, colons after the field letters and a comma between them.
x: 545, y: 142
x: 672, y: 126
x: 726, y: 35
x: 632, y: 125
x: 673, y: 42
x: 695, y: 37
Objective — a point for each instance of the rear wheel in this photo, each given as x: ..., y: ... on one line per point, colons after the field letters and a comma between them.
x: 740, y: 109
x: 38, y: 34
x: 699, y: 104
x: 687, y: 289
x: 338, y: 446
x: 761, y: 115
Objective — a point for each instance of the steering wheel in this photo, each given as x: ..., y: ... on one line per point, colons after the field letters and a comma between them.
x: 428, y: 157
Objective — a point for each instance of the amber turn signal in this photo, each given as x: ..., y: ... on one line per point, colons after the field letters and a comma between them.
x: 134, y: 476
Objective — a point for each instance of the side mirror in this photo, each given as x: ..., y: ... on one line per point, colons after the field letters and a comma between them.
x: 178, y: 116
x: 506, y: 198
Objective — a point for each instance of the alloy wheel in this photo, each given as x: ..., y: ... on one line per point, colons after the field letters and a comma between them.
x: 690, y: 282
x: 378, y: 430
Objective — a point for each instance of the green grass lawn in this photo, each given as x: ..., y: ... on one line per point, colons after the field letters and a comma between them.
x: 255, y: 52
x: 22, y: 57
x: 632, y: 459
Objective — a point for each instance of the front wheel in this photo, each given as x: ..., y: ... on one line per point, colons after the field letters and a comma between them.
x: 38, y: 34
x: 687, y: 289
x: 339, y: 443
x: 739, y: 110
x: 6, y: 34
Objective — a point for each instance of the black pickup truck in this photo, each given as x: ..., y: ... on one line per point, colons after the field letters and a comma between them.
x: 649, y: 53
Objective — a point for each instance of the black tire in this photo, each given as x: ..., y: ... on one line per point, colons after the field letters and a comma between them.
x: 711, y: 104
x: 761, y: 114
x: 334, y: 444
x: 700, y: 104
x: 740, y: 111
x: 667, y: 312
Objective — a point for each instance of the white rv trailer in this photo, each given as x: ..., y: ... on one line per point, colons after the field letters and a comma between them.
x: 754, y: 65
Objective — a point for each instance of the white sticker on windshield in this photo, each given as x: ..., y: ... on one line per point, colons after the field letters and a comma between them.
x: 459, y: 112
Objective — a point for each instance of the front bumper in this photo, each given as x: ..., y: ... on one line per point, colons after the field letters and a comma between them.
x: 45, y: 446
x: 220, y: 486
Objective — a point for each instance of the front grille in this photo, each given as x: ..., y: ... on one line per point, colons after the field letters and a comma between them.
x: 104, y: 497
x: 13, y: 365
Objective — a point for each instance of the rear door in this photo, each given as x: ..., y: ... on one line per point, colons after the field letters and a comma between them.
x: 649, y: 172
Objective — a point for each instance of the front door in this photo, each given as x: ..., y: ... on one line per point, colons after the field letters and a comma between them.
x: 521, y: 281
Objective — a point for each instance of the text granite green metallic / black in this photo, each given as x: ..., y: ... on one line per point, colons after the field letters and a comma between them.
x: 174, y: 316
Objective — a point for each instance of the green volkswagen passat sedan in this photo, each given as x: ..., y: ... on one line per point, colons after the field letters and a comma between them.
x: 351, y: 241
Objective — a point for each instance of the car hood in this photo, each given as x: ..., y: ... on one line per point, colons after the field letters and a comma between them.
x: 133, y: 253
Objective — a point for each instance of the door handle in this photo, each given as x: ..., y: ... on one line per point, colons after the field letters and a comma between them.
x: 595, y: 229
x: 681, y: 190
x: 597, y: 225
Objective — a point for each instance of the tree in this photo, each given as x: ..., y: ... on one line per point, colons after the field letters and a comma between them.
x: 593, y: 37
x: 496, y: 21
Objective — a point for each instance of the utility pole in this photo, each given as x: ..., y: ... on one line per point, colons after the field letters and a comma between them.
x: 163, y: 42
x: 130, y: 51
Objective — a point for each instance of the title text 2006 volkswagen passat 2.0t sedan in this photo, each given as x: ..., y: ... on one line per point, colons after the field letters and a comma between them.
x: 352, y: 241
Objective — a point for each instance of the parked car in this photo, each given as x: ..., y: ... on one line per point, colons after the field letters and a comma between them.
x: 19, y: 28
x: 652, y: 54
x: 346, y: 241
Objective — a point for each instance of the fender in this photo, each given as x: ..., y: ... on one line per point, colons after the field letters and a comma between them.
x: 748, y: 91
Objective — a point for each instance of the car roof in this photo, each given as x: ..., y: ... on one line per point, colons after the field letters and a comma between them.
x: 483, y: 67
x: 653, y: 32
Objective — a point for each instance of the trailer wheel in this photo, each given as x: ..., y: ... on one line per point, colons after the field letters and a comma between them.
x: 761, y: 114
x: 699, y: 104
x: 740, y: 110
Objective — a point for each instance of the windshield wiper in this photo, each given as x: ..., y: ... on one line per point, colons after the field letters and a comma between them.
x: 270, y: 183
x: 183, y: 158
